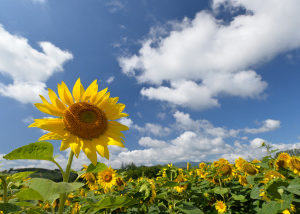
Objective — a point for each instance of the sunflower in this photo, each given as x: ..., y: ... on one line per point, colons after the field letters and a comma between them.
x: 239, y: 163
x: 282, y: 160
x: 249, y: 169
x: 294, y: 165
x: 84, y: 121
x: 270, y: 175
x: 220, y: 206
x: 242, y: 180
x: 120, y: 184
x: 90, y: 179
x: 107, y: 178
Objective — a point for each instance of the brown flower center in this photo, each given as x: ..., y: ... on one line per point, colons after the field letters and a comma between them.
x: 107, y: 177
x: 85, y: 120
x: 119, y: 182
x: 225, y: 170
x: 249, y: 169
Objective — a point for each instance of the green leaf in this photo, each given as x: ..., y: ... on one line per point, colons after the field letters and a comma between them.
x: 7, y: 207
x: 255, y: 192
x: 32, y: 151
x: 189, y: 208
x: 115, y: 202
x: 238, y: 197
x: 263, y: 165
x: 50, y: 190
x: 29, y: 194
x: 21, y: 175
x: 273, y: 186
x: 220, y: 191
x: 271, y: 207
x: 98, y: 168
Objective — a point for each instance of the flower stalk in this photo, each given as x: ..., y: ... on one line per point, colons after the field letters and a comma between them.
x: 66, y: 175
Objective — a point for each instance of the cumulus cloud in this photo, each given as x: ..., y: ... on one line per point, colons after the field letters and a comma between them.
x: 184, y: 122
x: 268, y: 125
x: 153, y: 129
x: 149, y: 142
x: 203, y: 58
x: 27, y: 68
x: 110, y: 79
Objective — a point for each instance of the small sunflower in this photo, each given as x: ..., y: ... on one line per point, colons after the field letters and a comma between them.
x: 242, y: 180
x: 294, y: 165
x: 282, y: 160
x: 270, y: 175
x: 84, y: 121
x: 239, y: 163
x: 120, y: 183
x: 250, y: 168
x: 220, y: 206
x: 90, y: 179
x: 107, y: 178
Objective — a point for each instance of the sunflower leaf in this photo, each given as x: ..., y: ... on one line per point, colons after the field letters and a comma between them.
x: 98, y: 168
x: 32, y: 151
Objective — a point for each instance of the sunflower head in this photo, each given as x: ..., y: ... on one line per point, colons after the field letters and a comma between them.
x: 249, y: 169
x: 107, y: 178
x: 83, y: 120
x: 239, y: 163
x: 220, y: 206
x: 294, y: 165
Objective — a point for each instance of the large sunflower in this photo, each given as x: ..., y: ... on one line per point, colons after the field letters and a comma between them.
x: 85, y: 121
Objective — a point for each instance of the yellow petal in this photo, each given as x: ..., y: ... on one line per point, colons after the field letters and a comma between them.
x: 78, y: 90
x: 96, y: 97
x: 64, y: 145
x: 51, y: 124
x: 91, y: 90
x: 67, y: 94
x: 75, y: 146
x: 117, y: 126
x: 63, y: 94
x: 106, y: 153
x: 51, y: 136
x: 90, y: 152
x: 115, y: 143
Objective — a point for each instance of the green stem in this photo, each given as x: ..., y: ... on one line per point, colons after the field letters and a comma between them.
x: 66, y: 175
x: 61, y: 170
x: 4, y: 184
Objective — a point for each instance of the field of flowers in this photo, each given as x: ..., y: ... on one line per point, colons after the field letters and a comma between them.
x: 85, y: 120
x: 260, y: 186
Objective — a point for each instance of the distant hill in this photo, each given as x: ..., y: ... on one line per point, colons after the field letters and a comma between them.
x: 53, y: 175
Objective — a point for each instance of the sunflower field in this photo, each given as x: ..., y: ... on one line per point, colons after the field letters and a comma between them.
x: 260, y: 186
x: 86, y: 120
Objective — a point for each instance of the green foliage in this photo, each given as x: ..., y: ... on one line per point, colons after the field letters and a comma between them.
x: 132, y: 171
x: 33, y: 151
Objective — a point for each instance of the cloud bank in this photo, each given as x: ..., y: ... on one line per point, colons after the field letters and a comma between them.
x: 27, y: 68
x: 204, y: 58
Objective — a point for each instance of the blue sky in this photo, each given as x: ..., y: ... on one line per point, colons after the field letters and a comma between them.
x: 201, y: 80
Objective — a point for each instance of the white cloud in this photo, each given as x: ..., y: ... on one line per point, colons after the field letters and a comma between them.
x: 26, y: 67
x: 126, y: 121
x: 257, y: 142
x: 110, y: 79
x: 204, y: 58
x: 268, y: 125
x: 149, y: 142
x: 28, y: 120
x: 203, y: 127
x: 154, y: 129
x: 115, y: 5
